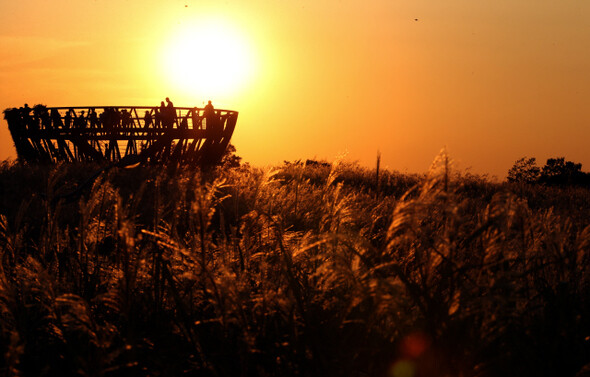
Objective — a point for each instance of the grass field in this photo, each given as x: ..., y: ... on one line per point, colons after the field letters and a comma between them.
x: 300, y: 270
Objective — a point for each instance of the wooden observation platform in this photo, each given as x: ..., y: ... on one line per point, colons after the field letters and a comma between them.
x: 121, y: 134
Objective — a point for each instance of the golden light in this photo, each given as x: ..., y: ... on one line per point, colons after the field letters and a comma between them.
x: 208, y: 58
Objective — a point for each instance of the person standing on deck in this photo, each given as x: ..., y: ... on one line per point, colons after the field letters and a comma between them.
x: 170, y: 112
x: 147, y: 119
x: 209, y: 115
x: 209, y: 110
x: 68, y: 119
x: 93, y: 118
x: 163, y: 116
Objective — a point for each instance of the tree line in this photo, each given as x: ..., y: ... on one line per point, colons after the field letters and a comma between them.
x: 556, y: 172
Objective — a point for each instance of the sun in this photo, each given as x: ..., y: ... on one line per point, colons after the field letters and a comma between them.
x: 208, y: 58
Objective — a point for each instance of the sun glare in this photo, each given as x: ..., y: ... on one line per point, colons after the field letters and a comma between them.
x: 209, y: 59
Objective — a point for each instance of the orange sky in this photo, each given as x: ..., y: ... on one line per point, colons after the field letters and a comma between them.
x: 492, y: 81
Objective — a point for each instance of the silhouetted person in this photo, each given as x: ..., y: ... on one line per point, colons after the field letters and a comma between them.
x: 39, y: 112
x: 109, y: 118
x: 68, y: 119
x: 93, y: 118
x: 45, y: 119
x: 211, y: 117
x: 157, y: 118
x: 25, y: 113
x: 209, y: 110
x: 126, y: 121
x: 147, y: 119
x: 170, y: 113
x: 164, y: 114
x: 184, y: 122
x: 56, y: 119
x: 80, y: 121
x: 117, y: 117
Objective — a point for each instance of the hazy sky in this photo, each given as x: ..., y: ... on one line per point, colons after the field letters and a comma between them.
x: 492, y: 81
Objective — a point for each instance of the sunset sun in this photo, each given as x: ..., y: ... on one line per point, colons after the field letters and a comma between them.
x: 209, y: 58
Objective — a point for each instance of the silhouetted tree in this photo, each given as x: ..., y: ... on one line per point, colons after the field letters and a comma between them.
x: 524, y: 170
x: 230, y: 159
x: 558, y: 171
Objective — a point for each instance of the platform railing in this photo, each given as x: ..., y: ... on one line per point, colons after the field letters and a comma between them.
x: 117, y: 133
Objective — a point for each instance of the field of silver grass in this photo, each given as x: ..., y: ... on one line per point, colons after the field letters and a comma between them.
x: 298, y: 270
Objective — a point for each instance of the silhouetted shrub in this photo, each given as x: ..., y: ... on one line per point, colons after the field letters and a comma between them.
x: 524, y: 170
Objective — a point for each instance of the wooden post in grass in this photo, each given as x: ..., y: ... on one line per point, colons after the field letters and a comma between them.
x: 377, y: 172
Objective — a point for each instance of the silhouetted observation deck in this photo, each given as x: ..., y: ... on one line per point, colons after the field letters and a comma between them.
x: 122, y: 134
